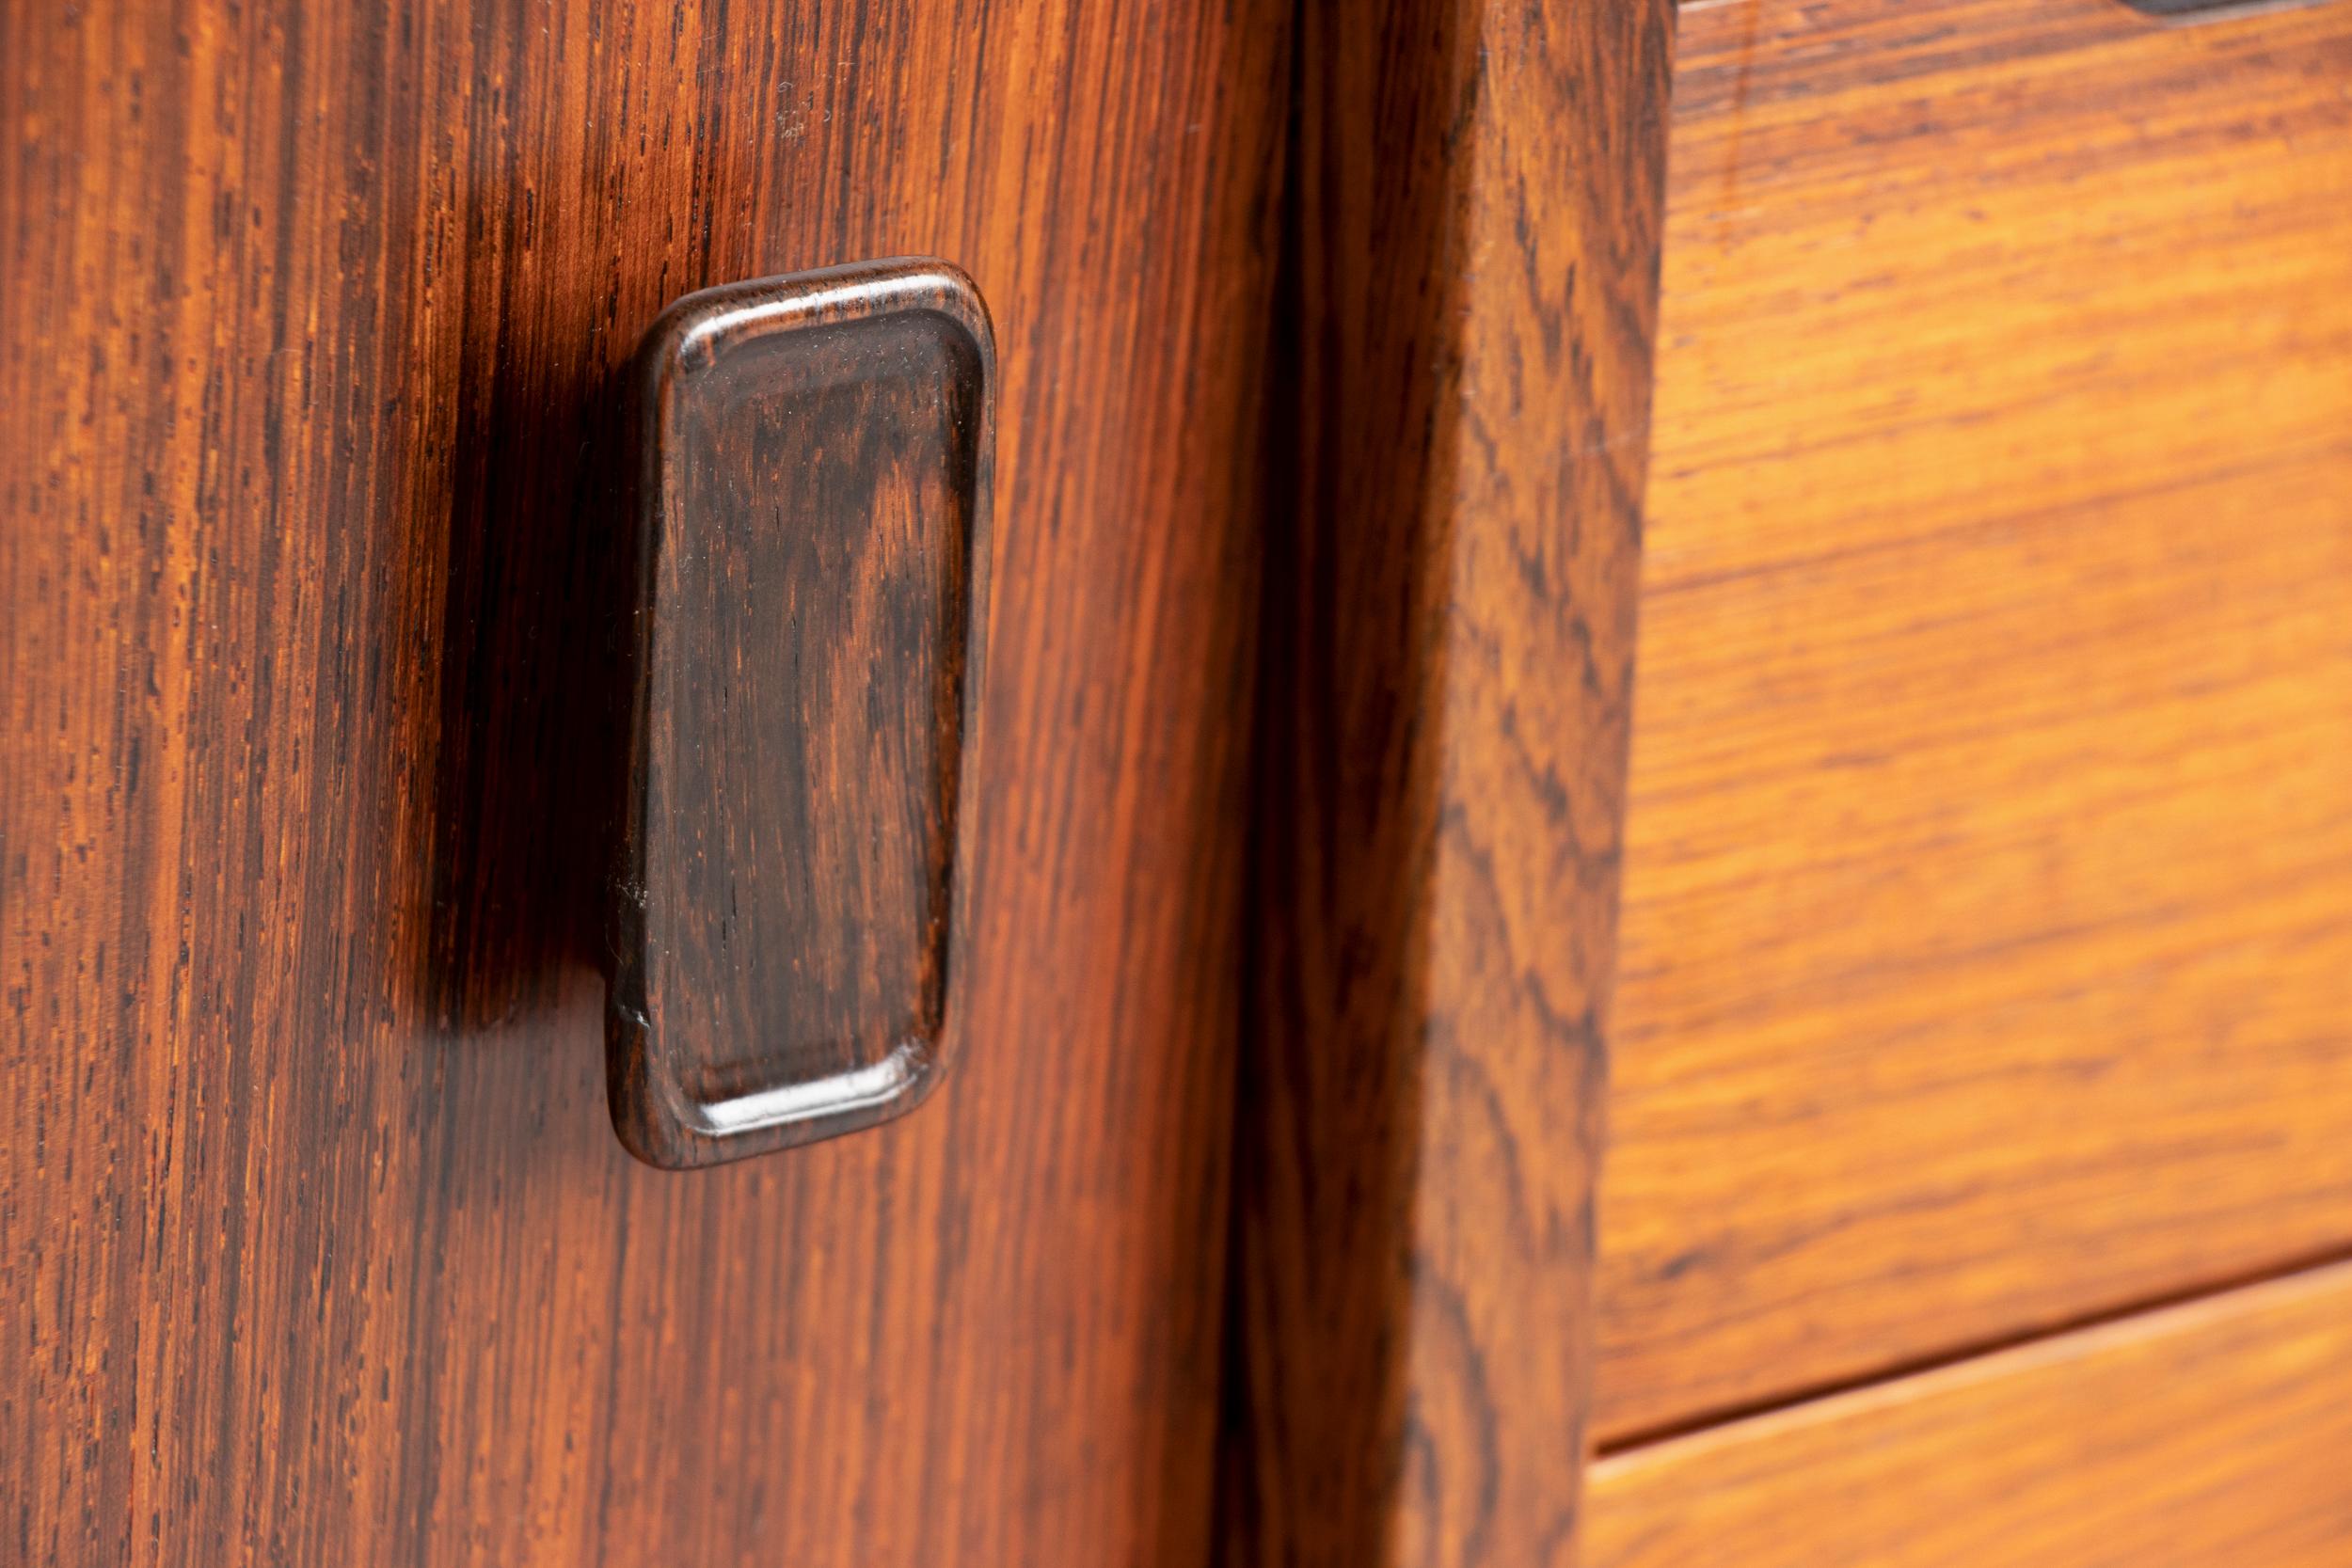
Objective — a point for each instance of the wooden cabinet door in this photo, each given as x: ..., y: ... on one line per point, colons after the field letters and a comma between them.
x: 318, y: 1245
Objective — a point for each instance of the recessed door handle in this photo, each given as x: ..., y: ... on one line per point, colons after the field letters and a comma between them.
x: 812, y: 459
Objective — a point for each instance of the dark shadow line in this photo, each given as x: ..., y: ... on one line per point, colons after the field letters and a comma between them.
x: 1730, y: 1415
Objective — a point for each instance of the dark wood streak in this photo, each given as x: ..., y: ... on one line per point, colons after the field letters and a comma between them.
x: 1475, y: 220
x: 816, y: 456
x: 318, y: 1244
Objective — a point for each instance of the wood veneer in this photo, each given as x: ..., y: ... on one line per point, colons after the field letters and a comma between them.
x: 320, y: 1244
x: 1989, y: 857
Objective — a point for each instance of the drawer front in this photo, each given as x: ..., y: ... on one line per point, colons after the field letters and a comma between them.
x: 1989, y: 854
x: 2210, y: 1434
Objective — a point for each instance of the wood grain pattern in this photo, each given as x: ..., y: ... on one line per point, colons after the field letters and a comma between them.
x: 1449, y: 633
x: 814, y: 460
x: 318, y: 1245
x: 2208, y: 1434
x: 1988, y: 857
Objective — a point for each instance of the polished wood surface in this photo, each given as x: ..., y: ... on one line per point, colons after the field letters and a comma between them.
x: 320, y: 1245
x: 2214, y: 1433
x: 1474, y: 217
x: 1988, y: 857
x: 811, y: 463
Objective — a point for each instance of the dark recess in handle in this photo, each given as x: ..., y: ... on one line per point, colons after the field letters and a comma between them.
x: 811, y: 460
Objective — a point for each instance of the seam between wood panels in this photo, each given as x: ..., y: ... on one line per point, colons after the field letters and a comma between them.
x: 1721, y: 1417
